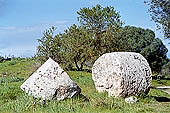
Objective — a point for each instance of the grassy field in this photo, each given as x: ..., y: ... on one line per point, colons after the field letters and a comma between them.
x: 14, y: 100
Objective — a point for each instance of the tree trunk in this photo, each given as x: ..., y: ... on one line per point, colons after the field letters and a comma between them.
x: 76, y: 63
x: 82, y: 64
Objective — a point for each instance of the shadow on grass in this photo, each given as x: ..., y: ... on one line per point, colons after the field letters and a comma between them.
x: 160, y: 78
x: 162, y: 99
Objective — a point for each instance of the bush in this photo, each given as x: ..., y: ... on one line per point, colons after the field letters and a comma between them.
x: 166, y: 70
x: 1, y: 59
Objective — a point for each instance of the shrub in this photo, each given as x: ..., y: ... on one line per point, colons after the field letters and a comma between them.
x: 1, y: 59
x: 166, y: 70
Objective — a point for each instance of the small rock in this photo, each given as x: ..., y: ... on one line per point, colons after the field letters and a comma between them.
x: 166, y: 89
x: 50, y: 81
x: 131, y: 100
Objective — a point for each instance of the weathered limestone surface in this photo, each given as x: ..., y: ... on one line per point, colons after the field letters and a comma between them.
x: 50, y: 81
x: 122, y: 74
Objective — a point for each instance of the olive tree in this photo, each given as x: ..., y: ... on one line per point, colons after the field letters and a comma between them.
x: 77, y: 43
x: 50, y: 45
x: 98, y: 20
x: 160, y: 13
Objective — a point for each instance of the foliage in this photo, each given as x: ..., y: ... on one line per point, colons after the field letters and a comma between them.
x: 166, y: 70
x: 71, y: 47
x: 80, y: 45
x: 111, y: 41
x: 100, y: 32
x: 1, y: 59
x: 49, y: 46
x: 160, y: 13
x: 77, y: 44
x: 143, y: 41
x: 155, y: 53
x: 98, y: 21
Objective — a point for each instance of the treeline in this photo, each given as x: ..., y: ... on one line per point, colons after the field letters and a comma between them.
x: 100, y: 31
x: 2, y: 59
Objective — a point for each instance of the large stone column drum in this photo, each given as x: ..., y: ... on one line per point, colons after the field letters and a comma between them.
x: 122, y: 74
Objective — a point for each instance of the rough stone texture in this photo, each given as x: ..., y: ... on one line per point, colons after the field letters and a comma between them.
x: 131, y: 100
x: 50, y: 81
x: 122, y: 74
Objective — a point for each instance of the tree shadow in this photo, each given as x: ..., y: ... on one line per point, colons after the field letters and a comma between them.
x: 162, y: 99
x: 164, y: 78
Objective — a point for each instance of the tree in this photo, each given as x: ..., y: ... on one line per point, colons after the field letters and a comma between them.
x: 166, y: 70
x: 155, y: 53
x: 1, y: 59
x: 111, y: 41
x: 50, y: 46
x: 96, y: 35
x: 136, y: 38
x: 97, y: 20
x: 160, y: 13
x: 77, y: 43
x: 73, y: 47
x: 143, y: 41
x: 100, y: 31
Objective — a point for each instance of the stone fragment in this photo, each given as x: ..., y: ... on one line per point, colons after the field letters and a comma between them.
x: 50, y: 81
x: 131, y: 100
x: 122, y: 74
x: 166, y: 89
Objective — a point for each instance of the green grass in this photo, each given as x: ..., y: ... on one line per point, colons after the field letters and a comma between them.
x: 17, y: 68
x: 14, y: 100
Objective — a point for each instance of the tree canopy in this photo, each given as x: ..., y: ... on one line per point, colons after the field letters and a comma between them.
x: 143, y: 41
x: 1, y: 59
x: 100, y: 31
x: 160, y: 13
x: 77, y: 43
x: 49, y: 46
x: 98, y: 18
x: 166, y: 69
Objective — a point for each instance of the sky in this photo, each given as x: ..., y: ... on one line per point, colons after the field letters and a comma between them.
x: 22, y: 22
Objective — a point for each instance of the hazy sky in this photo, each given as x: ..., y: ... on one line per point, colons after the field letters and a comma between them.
x: 22, y: 22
